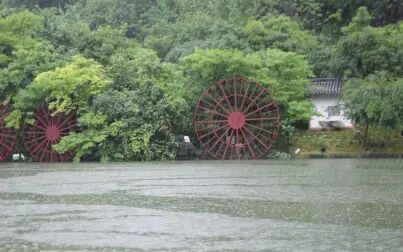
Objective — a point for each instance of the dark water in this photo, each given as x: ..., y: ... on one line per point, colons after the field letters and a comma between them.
x: 301, y: 205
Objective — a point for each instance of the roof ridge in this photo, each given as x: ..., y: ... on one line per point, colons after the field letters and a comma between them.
x: 325, y: 86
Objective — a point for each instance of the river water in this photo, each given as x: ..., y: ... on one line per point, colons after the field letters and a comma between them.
x: 297, y: 205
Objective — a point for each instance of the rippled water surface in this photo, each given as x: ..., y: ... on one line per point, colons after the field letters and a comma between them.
x: 301, y: 205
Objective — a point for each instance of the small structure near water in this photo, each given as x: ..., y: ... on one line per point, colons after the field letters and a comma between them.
x: 330, y: 114
x: 185, y: 148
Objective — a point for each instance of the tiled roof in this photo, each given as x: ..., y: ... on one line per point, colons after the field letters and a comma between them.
x: 325, y: 87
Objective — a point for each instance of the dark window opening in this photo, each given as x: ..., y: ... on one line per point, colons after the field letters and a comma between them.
x: 333, y: 110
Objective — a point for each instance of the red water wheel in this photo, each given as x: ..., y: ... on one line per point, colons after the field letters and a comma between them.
x: 47, y: 131
x: 236, y: 118
x: 8, y: 138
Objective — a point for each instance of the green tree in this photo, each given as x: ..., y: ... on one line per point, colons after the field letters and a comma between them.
x: 138, y: 115
x: 97, y: 13
x: 364, y: 49
x: 66, y: 88
x: 37, y: 3
x: 284, y: 73
x: 17, y: 30
x: 376, y: 100
x: 180, y: 27
x: 26, y: 65
x: 286, y: 34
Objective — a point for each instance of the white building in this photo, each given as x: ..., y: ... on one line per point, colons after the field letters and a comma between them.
x: 329, y: 112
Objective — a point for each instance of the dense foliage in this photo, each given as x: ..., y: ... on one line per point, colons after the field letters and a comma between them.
x: 133, y: 69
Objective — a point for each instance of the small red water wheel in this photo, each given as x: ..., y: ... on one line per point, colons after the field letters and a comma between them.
x: 236, y: 118
x: 8, y: 138
x: 47, y: 131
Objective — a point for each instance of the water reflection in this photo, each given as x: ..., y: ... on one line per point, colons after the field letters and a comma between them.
x: 262, y: 205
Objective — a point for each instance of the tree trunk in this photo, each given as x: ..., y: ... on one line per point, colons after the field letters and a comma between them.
x: 365, y: 140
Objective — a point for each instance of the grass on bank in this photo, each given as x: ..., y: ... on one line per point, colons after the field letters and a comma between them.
x: 346, y: 143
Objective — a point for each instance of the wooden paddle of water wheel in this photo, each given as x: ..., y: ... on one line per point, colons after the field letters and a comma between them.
x: 47, y: 131
x: 236, y: 118
x: 8, y: 138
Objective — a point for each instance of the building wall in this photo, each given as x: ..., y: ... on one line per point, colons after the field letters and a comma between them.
x: 321, y: 106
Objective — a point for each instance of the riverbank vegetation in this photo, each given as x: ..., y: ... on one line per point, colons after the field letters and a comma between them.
x: 133, y: 70
x: 347, y: 144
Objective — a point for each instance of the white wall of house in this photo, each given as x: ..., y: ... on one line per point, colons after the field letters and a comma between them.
x: 322, y: 105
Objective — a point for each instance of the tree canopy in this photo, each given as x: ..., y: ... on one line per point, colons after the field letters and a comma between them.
x: 134, y: 69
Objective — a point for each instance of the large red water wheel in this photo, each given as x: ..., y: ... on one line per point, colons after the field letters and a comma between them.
x: 8, y: 138
x: 47, y: 131
x: 237, y: 118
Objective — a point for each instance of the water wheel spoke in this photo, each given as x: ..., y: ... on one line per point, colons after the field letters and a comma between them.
x: 62, y: 134
x: 254, y: 100
x: 41, y: 121
x: 3, y: 153
x: 5, y: 146
x: 205, y: 101
x: 270, y: 140
x: 73, y: 126
x: 214, y: 145
x: 209, y: 141
x: 43, y: 115
x: 225, y: 97
x: 66, y: 121
x: 214, y: 131
x: 44, y: 151
x: 219, y: 148
x: 2, y: 116
x: 228, y: 144
x: 218, y: 103
x: 39, y: 127
x: 260, y: 109
x: 232, y: 152
x: 262, y: 119
x: 35, y: 139
x: 255, y: 137
x: 238, y: 144
x: 59, y: 118
x: 244, y: 96
x: 7, y: 135
x: 35, y: 132
x: 213, y: 111
x: 56, y: 118
x: 235, y: 94
x: 247, y: 144
x: 211, y: 121
x: 37, y: 147
x: 262, y: 129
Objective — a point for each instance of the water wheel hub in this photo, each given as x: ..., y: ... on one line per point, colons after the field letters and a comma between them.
x: 236, y: 120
